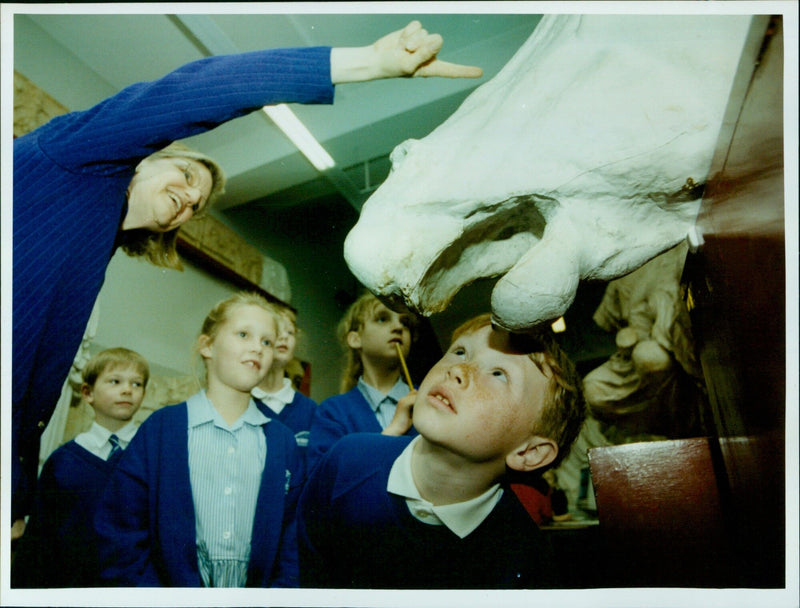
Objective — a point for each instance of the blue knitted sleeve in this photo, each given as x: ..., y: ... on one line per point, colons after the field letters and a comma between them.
x: 196, y: 97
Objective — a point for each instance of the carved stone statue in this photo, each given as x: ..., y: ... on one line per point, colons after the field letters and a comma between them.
x: 582, y: 159
x: 650, y: 386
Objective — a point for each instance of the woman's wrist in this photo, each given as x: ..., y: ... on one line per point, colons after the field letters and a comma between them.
x: 354, y: 64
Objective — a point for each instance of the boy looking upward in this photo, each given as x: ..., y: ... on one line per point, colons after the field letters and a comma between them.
x: 58, y: 549
x: 434, y: 511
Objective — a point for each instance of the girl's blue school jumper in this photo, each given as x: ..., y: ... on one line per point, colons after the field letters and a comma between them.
x: 58, y: 549
x: 338, y: 416
x: 353, y: 533
x: 297, y: 415
x: 70, y: 179
x: 146, y: 521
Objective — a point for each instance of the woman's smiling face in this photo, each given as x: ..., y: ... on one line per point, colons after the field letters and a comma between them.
x: 166, y: 192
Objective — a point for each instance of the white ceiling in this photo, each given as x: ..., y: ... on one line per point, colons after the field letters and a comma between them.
x: 82, y: 58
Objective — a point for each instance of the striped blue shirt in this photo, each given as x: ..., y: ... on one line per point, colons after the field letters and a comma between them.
x: 384, y: 406
x: 225, y: 467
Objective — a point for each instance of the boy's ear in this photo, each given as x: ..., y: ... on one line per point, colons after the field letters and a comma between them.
x: 353, y: 339
x: 535, y: 453
x: 86, y: 393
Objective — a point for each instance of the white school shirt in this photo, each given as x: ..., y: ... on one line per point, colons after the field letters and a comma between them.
x: 461, y: 517
x: 278, y: 400
x: 95, y: 440
x: 225, y: 468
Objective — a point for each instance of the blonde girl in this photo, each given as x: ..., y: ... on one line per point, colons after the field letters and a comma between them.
x: 205, y: 493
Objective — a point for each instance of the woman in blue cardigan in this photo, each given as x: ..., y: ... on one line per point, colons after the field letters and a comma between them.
x: 88, y: 182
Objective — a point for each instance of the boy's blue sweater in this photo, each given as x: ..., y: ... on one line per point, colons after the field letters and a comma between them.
x: 338, y: 416
x: 58, y: 548
x: 352, y: 533
x: 297, y: 415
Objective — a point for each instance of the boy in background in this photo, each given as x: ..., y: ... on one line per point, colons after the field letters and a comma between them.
x: 435, y: 511
x: 58, y: 548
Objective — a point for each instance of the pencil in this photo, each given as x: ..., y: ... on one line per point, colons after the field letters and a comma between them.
x: 403, y: 363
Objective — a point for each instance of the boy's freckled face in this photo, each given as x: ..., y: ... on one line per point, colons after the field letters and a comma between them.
x: 482, y: 399
x: 241, y: 352
x: 116, y: 395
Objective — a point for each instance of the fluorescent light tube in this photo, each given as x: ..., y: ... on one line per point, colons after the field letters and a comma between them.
x: 301, y: 137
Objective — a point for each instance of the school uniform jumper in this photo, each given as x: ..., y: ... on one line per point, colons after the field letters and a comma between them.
x: 338, y: 416
x: 352, y: 533
x: 297, y: 415
x: 70, y: 181
x: 58, y: 548
x: 146, y: 520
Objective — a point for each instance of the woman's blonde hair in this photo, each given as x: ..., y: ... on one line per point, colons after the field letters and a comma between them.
x: 159, y: 248
x: 353, y: 320
x: 222, y: 313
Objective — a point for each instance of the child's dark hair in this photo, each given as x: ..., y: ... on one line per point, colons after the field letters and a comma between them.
x: 115, y: 357
x: 564, y: 410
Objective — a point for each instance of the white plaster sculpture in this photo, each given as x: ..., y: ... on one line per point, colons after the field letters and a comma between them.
x: 571, y: 163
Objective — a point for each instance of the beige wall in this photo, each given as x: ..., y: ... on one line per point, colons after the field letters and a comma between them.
x: 155, y: 311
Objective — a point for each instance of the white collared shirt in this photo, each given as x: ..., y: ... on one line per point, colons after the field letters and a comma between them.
x: 95, y: 440
x: 461, y: 518
x: 276, y: 401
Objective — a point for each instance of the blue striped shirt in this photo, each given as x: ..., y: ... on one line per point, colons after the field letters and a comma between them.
x: 225, y: 468
x: 384, y: 406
